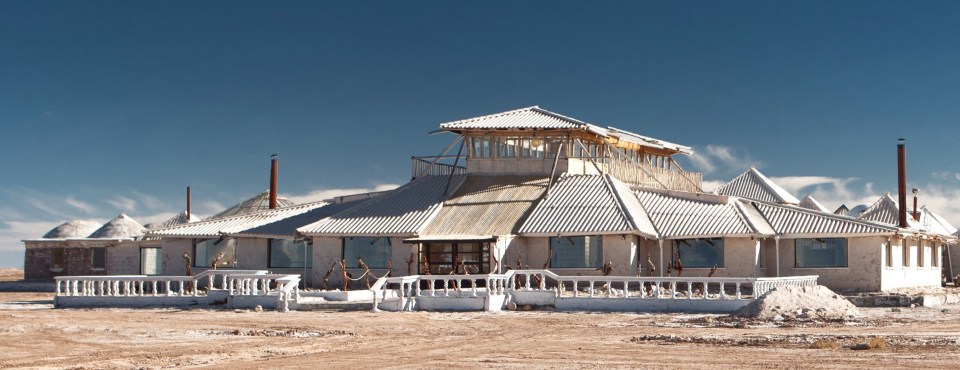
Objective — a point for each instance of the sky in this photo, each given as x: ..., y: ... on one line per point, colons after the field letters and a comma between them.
x: 118, y: 106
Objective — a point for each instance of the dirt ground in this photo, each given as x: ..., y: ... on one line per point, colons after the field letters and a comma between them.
x: 34, y: 335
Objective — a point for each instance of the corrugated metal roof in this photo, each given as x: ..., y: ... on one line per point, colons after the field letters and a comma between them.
x: 884, y: 210
x: 401, y: 212
x: 534, y: 117
x: 754, y: 185
x: 287, y: 227
x: 212, y: 228
x: 487, y: 205
x: 689, y: 215
x: 586, y: 204
x: 809, y: 202
x: 792, y: 221
x: 635, y: 211
x: 259, y: 202
x: 936, y: 224
x: 179, y: 219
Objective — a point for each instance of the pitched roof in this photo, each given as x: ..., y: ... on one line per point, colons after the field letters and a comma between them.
x: 588, y: 204
x: 121, y: 227
x: 842, y: 210
x: 178, y: 219
x: 487, y: 206
x: 536, y: 118
x: 754, y: 185
x: 286, y: 228
x: 809, y: 202
x: 257, y: 203
x: 935, y: 223
x: 691, y: 215
x: 884, y: 210
x: 401, y: 212
x: 73, y: 229
x: 793, y: 221
x: 216, y: 227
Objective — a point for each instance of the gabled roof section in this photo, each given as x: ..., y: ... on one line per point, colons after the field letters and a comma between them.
x: 180, y: 219
x: 217, y: 227
x: 486, y: 206
x: 935, y: 223
x: 121, y: 227
x: 286, y: 228
x: 842, y: 210
x: 259, y: 202
x: 884, y: 210
x: 536, y: 118
x: 809, y: 202
x: 678, y: 215
x: 792, y: 222
x: 73, y: 229
x: 755, y: 186
x: 588, y: 204
x: 400, y: 212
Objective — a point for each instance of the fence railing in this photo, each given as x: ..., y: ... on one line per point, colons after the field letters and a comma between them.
x: 423, y: 166
x: 627, y: 287
x: 646, y: 175
x: 235, y: 282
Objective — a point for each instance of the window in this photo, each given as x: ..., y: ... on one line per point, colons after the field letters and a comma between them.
x: 698, y: 253
x: 920, y: 250
x: 576, y: 252
x: 286, y: 253
x: 888, y: 250
x: 222, y: 251
x: 906, y: 252
x: 58, y: 260
x: 151, y: 262
x: 99, y: 257
x: 474, y: 256
x: 375, y: 252
x: 934, y: 255
x: 821, y: 252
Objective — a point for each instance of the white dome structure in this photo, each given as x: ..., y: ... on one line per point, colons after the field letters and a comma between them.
x: 73, y: 229
x: 121, y: 227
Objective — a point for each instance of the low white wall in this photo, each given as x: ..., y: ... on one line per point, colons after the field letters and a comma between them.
x: 649, y: 305
x: 905, y: 272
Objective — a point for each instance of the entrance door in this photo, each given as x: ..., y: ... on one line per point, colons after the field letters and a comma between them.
x: 473, y: 256
x: 151, y: 262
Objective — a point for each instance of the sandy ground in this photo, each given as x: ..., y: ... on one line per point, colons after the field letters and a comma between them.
x: 34, y: 335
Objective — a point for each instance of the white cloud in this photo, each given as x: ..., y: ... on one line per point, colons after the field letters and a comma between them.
x: 12, y: 232
x: 714, y: 158
x: 80, y: 205
x: 149, y: 201
x: 711, y: 185
x: 125, y: 204
x: 322, y: 194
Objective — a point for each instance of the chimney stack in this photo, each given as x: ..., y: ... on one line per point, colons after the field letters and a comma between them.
x: 902, y: 180
x: 916, y: 213
x: 188, y: 204
x: 273, y: 181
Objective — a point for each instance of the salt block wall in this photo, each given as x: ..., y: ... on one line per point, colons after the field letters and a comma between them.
x: 124, y: 259
x: 78, y: 260
x: 906, y: 272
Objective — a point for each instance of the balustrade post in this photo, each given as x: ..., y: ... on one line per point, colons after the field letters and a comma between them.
x: 543, y: 282
x: 689, y: 290
x: 738, y: 291
x: 723, y: 291
x: 526, y: 282
x: 575, y: 290
x: 210, y: 281
x: 58, y: 286
x: 593, y: 290
x: 626, y: 289
x: 473, y: 286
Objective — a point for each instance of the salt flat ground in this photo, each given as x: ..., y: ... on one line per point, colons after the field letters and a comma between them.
x: 34, y: 335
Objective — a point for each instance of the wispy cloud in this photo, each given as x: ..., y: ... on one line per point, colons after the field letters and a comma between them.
x: 720, y: 158
x: 12, y: 232
x: 322, y: 193
x: 124, y: 204
x: 80, y: 205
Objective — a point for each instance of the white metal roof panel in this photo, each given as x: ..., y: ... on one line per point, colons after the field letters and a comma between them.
x: 754, y: 185
x: 579, y: 204
x: 287, y: 227
x: 524, y: 118
x: 809, y: 202
x: 793, y: 221
x: 689, y: 215
x: 227, y: 225
x: 487, y: 205
x: 402, y: 211
x: 934, y: 223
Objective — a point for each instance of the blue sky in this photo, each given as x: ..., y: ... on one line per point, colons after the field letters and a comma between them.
x: 109, y: 107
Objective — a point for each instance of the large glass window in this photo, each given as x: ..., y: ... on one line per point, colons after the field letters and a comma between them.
x: 287, y: 253
x: 576, y: 252
x: 222, y: 251
x: 99, y: 257
x: 375, y: 252
x: 698, y: 253
x: 474, y: 256
x: 821, y: 252
x: 151, y: 262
